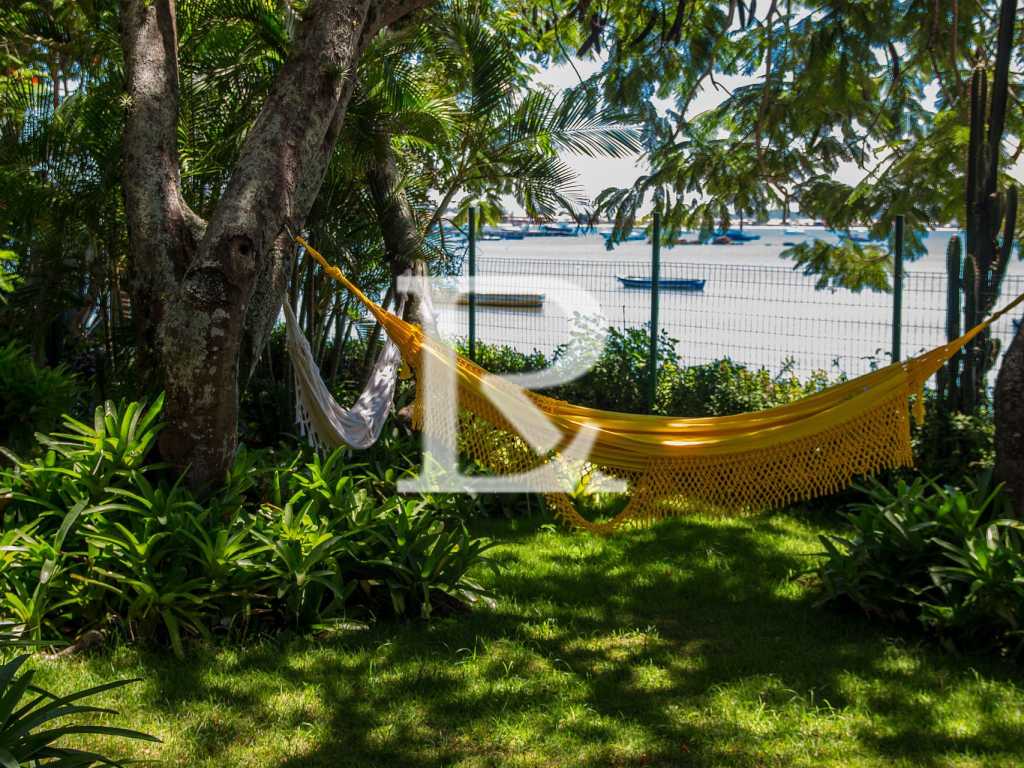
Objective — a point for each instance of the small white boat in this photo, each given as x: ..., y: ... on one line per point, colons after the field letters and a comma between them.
x: 794, y: 231
x: 511, y: 232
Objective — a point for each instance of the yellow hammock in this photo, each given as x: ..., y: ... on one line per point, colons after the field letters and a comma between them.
x: 672, y: 465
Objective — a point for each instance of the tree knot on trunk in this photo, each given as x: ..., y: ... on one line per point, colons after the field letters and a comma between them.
x: 206, y: 288
x: 240, y: 259
x: 226, y: 277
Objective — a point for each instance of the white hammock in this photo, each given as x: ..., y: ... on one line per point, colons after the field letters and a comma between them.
x: 321, y: 420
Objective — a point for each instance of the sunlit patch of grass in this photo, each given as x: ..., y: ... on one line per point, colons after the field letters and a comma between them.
x: 694, y: 642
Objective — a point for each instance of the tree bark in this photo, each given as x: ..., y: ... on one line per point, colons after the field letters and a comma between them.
x: 204, y: 292
x: 403, y: 239
x: 1009, y: 418
x: 162, y: 229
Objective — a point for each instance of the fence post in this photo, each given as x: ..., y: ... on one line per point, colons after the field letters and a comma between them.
x: 472, y: 280
x: 897, y: 291
x: 652, y: 362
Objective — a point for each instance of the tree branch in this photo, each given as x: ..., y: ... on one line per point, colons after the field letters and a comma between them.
x: 161, y: 226
x: 285, y: 155
x: 393, y: 11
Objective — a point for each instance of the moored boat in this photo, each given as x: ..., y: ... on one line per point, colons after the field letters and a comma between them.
x: 511, y: 232
x: 516, y: 300
x: 739, y: 236
x: 559, y: 230
x: 631, y: 236
x: 670, y: 284
x: 858, y: 237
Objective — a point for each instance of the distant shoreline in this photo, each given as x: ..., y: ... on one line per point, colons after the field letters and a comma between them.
x: 779, y: 225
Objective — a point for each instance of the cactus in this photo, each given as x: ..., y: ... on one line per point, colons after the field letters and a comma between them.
x: 991, y: 219
x: 972, y: 283
x: 954, y: 268
x: 947, y: 376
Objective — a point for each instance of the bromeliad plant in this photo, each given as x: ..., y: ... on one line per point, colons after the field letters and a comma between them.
x: 96, y: 535
x: 86, y: 462
x: 34, y: 726
x: 302, y: 563
x: 950, y: 558
x: 420, y: 559
x: 409, y: 555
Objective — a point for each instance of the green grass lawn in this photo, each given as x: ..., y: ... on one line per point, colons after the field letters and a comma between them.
x: 695, y: 642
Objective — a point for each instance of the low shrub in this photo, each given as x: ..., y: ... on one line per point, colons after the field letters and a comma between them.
x: 32, y: 397
x: 948, y: 558
x: 724, y: 388
x: 948, y: 443
x: 93, y: 535
x: 497, y: 358
x: 619, y: 379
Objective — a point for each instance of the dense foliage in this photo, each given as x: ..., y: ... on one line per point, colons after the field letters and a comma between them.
x: 951, y: 444
x: 948, y: 557
x: 619, y: 378
x: 32, y: 397
x: 96, y: 536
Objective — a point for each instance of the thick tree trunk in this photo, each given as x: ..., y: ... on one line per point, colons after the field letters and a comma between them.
x: 203, y: 293
x: 1009, y: 417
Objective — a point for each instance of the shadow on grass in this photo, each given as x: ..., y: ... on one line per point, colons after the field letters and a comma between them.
x: 685, y: 644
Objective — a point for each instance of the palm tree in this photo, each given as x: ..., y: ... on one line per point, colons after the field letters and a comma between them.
x: 59, y: 149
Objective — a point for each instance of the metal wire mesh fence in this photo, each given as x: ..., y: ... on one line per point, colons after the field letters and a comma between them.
x: 769, y: 316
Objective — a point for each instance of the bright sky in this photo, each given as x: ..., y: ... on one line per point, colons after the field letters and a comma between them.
x: 596, y: 174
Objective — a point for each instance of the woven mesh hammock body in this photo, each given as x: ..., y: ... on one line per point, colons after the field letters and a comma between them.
x: 752, y: 461
x: 320, y: 418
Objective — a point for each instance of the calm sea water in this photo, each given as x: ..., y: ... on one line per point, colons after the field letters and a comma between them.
x: 754, y: 308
